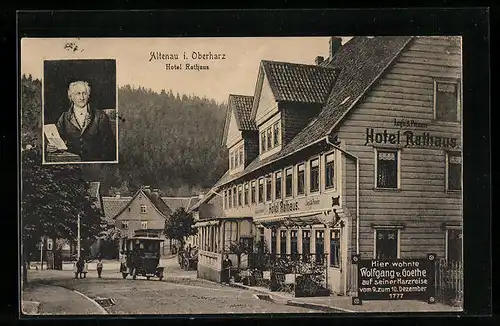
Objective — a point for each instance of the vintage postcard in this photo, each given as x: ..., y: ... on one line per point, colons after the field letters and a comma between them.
x: 253, y: 175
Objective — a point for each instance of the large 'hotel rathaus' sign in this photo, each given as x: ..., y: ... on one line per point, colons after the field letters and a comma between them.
x: 409, y: 139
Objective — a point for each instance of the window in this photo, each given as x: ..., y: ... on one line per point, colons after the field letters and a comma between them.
x: 225, y: 199
x: 129, y: 209
x: 446, y: 101
x: 240, y: 202
x: 261, y: 190
x: 245, y: 194
x: 454, y: 245
x: 277, y: 185
x: 235, y: 202
x: 236, y: 161
x: 335, y: 248
x: 144, y: 225
x: 241, y: 155
x: 273, y: 241
x: 283, y: 243
x: 232, y: 161
x: 386, y: 244
x: 230, y: 233
x: 268, y: 188
x: 125, y: 225
x: 329, y: 171
x: 49, y: 244
x: 229, y: 197
x: 143, y: 209
x: 289, y: 182
x: 261, y: 240
x: 293, y: 243
x: 263, y: 142
x: 306, y: 244
x: 387, y: 169
x: 454, y: 172
x: 314, y: 175
x: 320, y: 245
x: 301, y: 179
x: 276, y: 133
x: 269, y: 139
x: 253, y: 191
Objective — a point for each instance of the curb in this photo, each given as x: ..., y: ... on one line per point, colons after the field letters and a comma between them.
x: 288, y: 302
x: 103, y: 311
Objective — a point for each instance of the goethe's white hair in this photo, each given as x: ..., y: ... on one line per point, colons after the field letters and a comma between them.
x: 72, y: 86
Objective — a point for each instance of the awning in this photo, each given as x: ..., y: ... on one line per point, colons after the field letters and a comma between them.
x: 205, y: 223
x: 329, y: 217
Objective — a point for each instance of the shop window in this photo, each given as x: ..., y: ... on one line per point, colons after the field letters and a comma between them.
x: 143, y: 209
x: 268, y: 187
x: 335, y: 248
x: 253, y: 191
x: 144, y: 225
x: 283, y: 243
x: 261, y: 190
x: 301, y: 179
x: 314, y: 175
x: 289, y: 182
x: 239, y: 195
x: 446, y: 101
x: 293, y: 243
x: 125, y: 225
x: 386, y: 243
x: 387, y: 169
x: 261, y: 240
x: 276, y: 133
x: 329, y: 171
x: 306, y: 244
x: 229, y: 198
x: 277, y: 185
x: 454, y: 245
x: 245, y: 194
x: 273, y: 242
x: 454, y: 172
x: 230, y: 233
x: 320, y: 245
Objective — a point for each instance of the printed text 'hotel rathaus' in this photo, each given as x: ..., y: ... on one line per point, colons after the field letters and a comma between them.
x: 360, y: 153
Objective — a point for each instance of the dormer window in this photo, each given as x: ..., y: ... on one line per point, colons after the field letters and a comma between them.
x: 269, y: 141
x: 270, y: 137
x: 276, y: 134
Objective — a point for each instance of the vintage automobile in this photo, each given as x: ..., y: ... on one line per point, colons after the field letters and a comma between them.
x: 142, y: 257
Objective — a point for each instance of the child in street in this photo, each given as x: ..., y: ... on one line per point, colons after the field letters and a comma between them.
x: 99, y: 268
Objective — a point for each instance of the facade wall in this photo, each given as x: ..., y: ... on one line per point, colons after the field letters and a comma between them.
x: 422, y: 205
x: 133, y: 215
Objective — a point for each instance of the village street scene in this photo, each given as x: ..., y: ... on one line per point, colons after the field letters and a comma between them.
x: 241, y: 176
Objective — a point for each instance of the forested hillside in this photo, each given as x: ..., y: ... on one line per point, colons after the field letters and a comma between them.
x: 167, y: 141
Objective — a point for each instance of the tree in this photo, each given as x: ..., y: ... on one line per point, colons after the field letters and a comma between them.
x: 239, y: 248
x: 179, y: 225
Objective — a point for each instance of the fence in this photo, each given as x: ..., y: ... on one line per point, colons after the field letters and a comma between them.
x: 449, y: 282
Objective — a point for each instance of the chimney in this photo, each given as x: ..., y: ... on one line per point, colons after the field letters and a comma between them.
x: 319, y: 59
x: 335, y: 45
x: 155, y: 192
x: 117, y: 195
x: 147, y: 189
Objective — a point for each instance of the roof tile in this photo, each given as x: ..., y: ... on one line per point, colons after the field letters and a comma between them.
x: 242, y: 106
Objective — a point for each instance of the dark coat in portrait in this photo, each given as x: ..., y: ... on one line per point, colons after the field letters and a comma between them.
x: 94, y: 142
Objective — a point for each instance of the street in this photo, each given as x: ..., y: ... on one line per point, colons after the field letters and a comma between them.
x: 179, y: 293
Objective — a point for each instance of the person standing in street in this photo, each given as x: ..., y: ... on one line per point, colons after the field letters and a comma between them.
x: 99, y: 268
x: 226, y: 268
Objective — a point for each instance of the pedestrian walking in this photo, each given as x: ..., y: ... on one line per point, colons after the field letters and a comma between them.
x: 75, y: 269
x: 226, y: 269
x: 99, y: 268
x: 80, y: 266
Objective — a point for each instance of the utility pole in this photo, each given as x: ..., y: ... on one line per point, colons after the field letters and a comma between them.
x: 78, y: 235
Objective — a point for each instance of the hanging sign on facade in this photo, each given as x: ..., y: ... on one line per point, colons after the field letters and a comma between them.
x: 395, y: 279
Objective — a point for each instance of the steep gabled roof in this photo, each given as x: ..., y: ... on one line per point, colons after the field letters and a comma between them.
x: 361, y: 61
x: 293, y: 82
x: 114, y: 205
x: 177, y: 202
x: 242, y: 106
x: 156, y: 200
